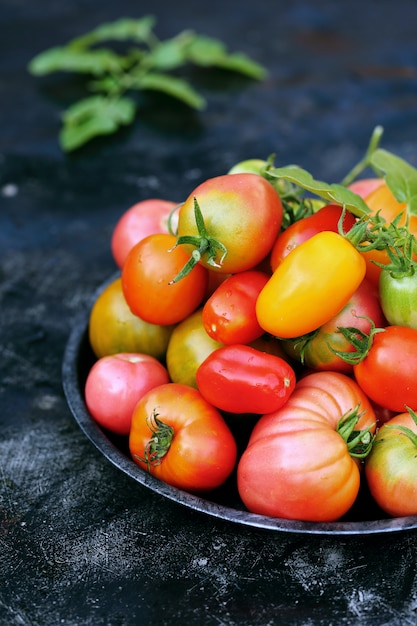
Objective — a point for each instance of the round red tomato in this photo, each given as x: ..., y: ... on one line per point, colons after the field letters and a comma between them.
x: 116, y: 383
x: 144, y: 218
x: 147, y: 281
x: 387, y: 374
x: 391, y: 467
x: 114, y: 328
x: 327, y: 218
x: 181, y: 439
x: 229, y: 315
x: 242, y: 215
x: 298, y: 463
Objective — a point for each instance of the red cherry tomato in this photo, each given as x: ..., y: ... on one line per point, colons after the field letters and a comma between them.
x: 326, y: 218
x: 229, y: 315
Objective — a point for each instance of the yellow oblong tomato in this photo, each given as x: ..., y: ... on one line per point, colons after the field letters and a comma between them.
x: 310, y: 286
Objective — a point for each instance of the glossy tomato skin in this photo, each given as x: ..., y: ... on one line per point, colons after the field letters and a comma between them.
x: 116, y: 383
x: 188, y: 347
x: 388, y: 372
x: 241, y: 211
x: 229, y: 315
x: 310, y: 286
x: 147, y: 275
x: 203, y: 451
x: 391, y: 467
x: 144, y: 218
x: 325, y: 219
x: 399, y: 298
x: 113, y: 328
x: 296, y: 466
x: 316, y: 351
x: 241, y: 379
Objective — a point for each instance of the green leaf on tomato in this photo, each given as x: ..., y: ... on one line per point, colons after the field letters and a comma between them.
x: 330, y: 192
x: 400, y: 176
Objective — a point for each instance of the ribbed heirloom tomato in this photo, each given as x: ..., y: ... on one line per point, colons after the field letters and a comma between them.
x: 181, y: 439
x: 298, y: 463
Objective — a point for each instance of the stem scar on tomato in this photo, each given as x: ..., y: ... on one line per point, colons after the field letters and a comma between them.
x: 358, y: 442
x: 160, y: 442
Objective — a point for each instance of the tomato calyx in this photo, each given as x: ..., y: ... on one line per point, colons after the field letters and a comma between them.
x: 204, y: 243
x: 361, y: 342
x: 401, y: 254
x: 158, y: 445
x: 407, y: 431
x: 358, y: 442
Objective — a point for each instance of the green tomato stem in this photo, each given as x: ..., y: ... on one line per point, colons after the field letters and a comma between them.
x: 359, y: 442
x: 366, y: 160
x: 407, y: 431
x: 361, y: 342
x: 205, y: 245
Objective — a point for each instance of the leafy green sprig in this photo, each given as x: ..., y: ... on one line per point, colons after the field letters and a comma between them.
x: 147, y: 64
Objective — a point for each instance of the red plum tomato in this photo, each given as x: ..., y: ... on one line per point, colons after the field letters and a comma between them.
x: 181, y: 439
x: 144, y: 218
x: 147, y: 276
x: 116, y: 383
x: 241, y: 379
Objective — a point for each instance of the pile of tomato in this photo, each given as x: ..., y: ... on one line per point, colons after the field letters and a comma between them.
x: 254, y: 302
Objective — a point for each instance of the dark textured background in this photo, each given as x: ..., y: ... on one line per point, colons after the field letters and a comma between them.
x: 81, y: 543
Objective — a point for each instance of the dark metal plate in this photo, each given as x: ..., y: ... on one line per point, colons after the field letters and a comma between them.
x: 364, y: 518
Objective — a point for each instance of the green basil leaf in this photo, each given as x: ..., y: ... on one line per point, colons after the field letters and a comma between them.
x: 331, y: 193
x: 63, y: 59
x: 169, y: 54
x: 94, y: 116
x: 400, y: 176
x: 172, y: 86
x: 206, y: 51
x: 124, y: 29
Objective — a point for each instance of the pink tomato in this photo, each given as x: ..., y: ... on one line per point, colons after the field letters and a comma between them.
x: 116, y: 383
x: 142, y: 219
